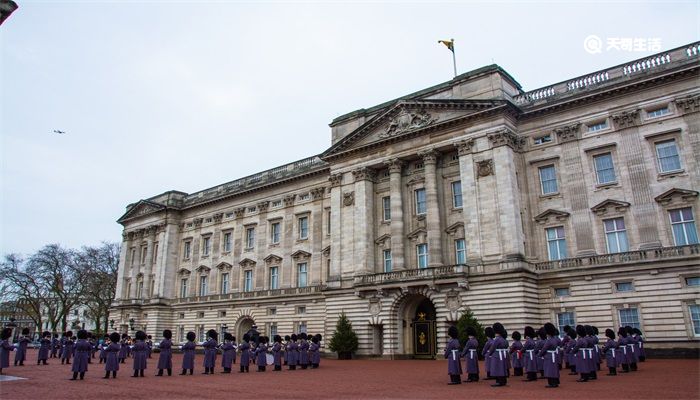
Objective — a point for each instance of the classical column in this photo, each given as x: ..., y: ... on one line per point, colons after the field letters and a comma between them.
x: 470, y: 195
x: 336, y: 230
x: 150, y: 242
x: 364, y: 220
x: 397, y: 233
x: 126, y: 244
x: 432, y: 219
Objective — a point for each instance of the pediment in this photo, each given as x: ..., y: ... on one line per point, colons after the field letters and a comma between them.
x: 247, y: 262
x: 420, y: 232
x: 141, y: 208
x: 326, y: 251
x: 406, y: 118
x: 551, y: 215
x: 455, y: 228
x: 272, y: 259
x: 202, y: 269
x: 610, y: 205
x: 676, y: 195
x: 224, y: 266
x: 382, y: 239
x: 183, y: 271
x: 301, y: 255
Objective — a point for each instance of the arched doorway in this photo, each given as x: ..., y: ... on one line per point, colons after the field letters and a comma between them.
x: 242, y: 326
x: 417, y: 333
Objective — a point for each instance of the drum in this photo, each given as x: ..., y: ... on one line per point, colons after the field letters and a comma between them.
x: 270, y: 359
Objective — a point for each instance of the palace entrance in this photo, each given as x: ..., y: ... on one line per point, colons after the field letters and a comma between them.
x: 418, y: 334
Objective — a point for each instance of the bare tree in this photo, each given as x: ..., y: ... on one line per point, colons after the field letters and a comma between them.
x: 99, y: 266
x: 20, y: 287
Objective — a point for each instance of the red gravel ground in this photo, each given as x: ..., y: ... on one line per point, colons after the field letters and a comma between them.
x: 355, y: 379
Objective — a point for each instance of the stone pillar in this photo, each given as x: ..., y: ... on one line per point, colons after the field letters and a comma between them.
x: 261, y: 245
x: 126, y: 243
x: 287, y: 266
x: 432, y: 219
x: 150, y: 242
x: 470, y: 204
x: 364, y: 221
x: 396, y: 198
x: 336, y: 229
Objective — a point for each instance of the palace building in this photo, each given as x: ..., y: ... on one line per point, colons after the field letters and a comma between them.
x: 573, y: 203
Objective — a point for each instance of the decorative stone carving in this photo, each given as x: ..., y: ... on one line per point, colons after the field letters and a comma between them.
x: 568, y: 133
x: 689, y: 103
x: 407, y: 120
x: 289, y: 200
x: 364, y: 174
x: 464, y: 147
x: 429, y: 156
x: 680, y: 196
x: 273, y: 259
x: 239, y: 212
x: 263, y: 206
x: 484, y: 168
x: 317, y: 193
x: 375, y: 306
x: 246, y: 263
x: 626, y: 119
x: 197, y: 222
x: 218, y: 217
x: 326, y: 251
x: 607, y: 205
x: 335, y: 179
x: 301, y: 255
x: 181, y: 226
x: 544, y: 217
x: 348, y: 198
x: 452, y: 301
x: 395, y: 165
x: 125, y: 236
x: 506, y: 137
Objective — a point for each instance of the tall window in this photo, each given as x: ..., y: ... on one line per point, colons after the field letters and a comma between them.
x: 202, y: 285
x: 386, y: 208
x: 683, y: 226
x: 249, y: 238
x: 248, y: 281
x: 143, y: 254
x: 224, y: 283
x: 133, y: 256
x: 422, y: 253
x: 629, y: 317
x: 556, y: 243
x: 420, y: 202
x: 616, y: 235
x: 694, y: 310
x: 227, y: 242
x: 275, y: 232
x: 303, y: 227
x: 187, y: 250
x: 183, y: 287
x: 457, y: 194
x: 667, y: 156
x: 206, y: 245
x: 460, y: 251
x: 155, y: 253
x: 328, y: 227
x: 139, y: 290
x: 564, y: 319
x: 387, y: 260
x: 274, y: 278
x: 273, y: 329
x: 302, y: 327
x: 301, y: 275
x: 604, y: 168
x: 548, y: 179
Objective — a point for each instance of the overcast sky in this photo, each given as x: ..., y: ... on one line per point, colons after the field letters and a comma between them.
x: 185, y: 95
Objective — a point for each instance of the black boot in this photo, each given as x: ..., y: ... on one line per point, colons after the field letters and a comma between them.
x: 184, y: 372
x: 633, y: 366
x: 160, y: 372
x: 136, y: 374
x: 192, y: 371
x: 170, y: 372
x: 625, y: 368
x: 82, y: 375
x: 106, y: 375
x: 612, y: 371
x: 517, y: 372
x: 454, y: 380
x: 75, y: 376
x: 552, y: 383
x: 242, y: 369
x: 584, y: 378
x: 141, y: 372
x: 593, y: 375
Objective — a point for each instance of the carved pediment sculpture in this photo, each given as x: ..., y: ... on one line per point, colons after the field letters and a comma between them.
x: 407, y: 120
x: 676, y: 195
x: 609, y: 205
x: 247, y: 262
x: 557, y: 215
x: 272, y: 259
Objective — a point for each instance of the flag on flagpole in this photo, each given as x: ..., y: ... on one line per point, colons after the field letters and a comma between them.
x: 449, y: 43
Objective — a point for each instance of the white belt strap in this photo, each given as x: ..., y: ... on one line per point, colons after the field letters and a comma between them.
x: 471, y: 353
x: 613, y: 352
x: 530, y: 352
x: 500, y: 353
x: 553, y: 353
x: 454, y: 354
x: 631, y: 347
x: 583, y: 351
x: 624, y: 349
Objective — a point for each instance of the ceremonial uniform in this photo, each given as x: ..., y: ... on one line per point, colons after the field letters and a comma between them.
x: 292, y: 353
x: 55, y: 346
x: 22, y: 343
x: 454, y: 366
x: 244, y: 348
x: 471, y: 357
x: 67, y: 349
x: 261, y: 354
x: 188, y: 354
x: 140, y: 352
x: 112, y: 356
x: 498, y: 353
x: 229, y: 352
x: 610, y: 349
x: 484, y: 352
x: 550, y: 354
x: 5, y: 348
x: 277, y: 353
x: 314, y: 354
x: 210, y: 352
x: 82, y: 355
x: 165, y: 357
x: 516, y: 355
x: 304, y: 352
x: 44, y: 348
x: 529, y: 348
x: 583, y: 354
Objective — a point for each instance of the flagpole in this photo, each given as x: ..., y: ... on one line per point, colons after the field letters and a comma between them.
x: 454, y: 60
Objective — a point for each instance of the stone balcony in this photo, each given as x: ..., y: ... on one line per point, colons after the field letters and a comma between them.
x: 445, y: 273
x: 256, y: 294
x: 629, y: 257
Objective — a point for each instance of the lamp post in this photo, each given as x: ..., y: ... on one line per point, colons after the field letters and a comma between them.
x: 131, y: 324
x: 111, y: 324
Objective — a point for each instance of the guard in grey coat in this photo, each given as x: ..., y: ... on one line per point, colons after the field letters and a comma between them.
x: 22, y: 343
x: 165, y: 357
x: 244, y: 348
x: 44, y: 348
x: 609, y: 350
x: 210, y: 347
x: 112, y: 356
x: 188, y: 354
x: 550, y: 354
x: 261, y: 353
x: 67, y: 347
x: 229, y: 352
x: 471, y: 356
x: 277, y: 352
x: 516, y: 354
x: 82, y: 355
x: 314, y: 353
x: 5, y: 348
x: 529, y: 348
x: 303, y: 351
x: 140, y: 352
x: 498, y: 351
x: 454, y: 366
x: 292, y: 353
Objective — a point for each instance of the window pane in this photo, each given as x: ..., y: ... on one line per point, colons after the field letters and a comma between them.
x: 548, y: 179
x: 457, y: 194
x: 629, y: 317
x: 420, y: 201
x: 604, y: 168
x: 624, y: 287
x: 695, y: 318
x: 667, y: 154
x: 692, y: 281
x: 386, y: 206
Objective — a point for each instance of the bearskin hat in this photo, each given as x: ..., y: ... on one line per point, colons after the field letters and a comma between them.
x: 515, y: 335
x: 556, y: 331
x: 286, y: 338
x: 637, y: 331
x: 167, y: 334
x: 140, y: 335
x: 246, y: 337
x: 191, y: 336
x: 68, y: 334
x: 228, y: 337
x: 293, y: 338
x: 25, y: 331
x: 46, y: 334
x: 149, y: 337
x: 589, y: 330
x: 629, y: 330
x: 529, y: 332
x: 471, y: 331
x: 541, y: 333
x: 489, y: 332
x: 6, y: 333
x: 277, y: 338
x: 264, y: 339
x: 453, y: 332
x: 595, y: 330
x: 549, y: 329
x: 315, y: 339
x: 572, y: 333
x: 318, y: 335
x: 622, y: 332
x: 499, y: 329
x: 567, y: 328
x: 303, y: 336
x: 581, y: 330
x: 82, y: 334
x: 124, y: 336
x: 212, y: 334
x: 609, y: 333
x: 114, y: 337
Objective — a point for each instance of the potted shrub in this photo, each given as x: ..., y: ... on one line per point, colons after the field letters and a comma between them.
x: 344, y: 340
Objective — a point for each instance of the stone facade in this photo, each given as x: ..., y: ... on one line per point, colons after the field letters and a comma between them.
x: 575, y: 203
